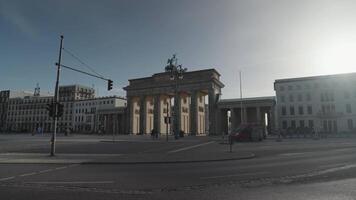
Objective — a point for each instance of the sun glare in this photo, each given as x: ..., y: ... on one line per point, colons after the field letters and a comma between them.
x: 337, y: 56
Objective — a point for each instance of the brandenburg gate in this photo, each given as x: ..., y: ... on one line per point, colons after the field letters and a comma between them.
x: 151, y: 99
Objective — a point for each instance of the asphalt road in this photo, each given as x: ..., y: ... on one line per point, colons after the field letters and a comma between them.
x: 291, y: 169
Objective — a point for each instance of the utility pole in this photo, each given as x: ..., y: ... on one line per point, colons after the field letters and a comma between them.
x: 167, y: 122
x: 241, y: 100
x: 56, y: 100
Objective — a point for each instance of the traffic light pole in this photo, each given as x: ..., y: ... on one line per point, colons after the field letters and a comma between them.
x: 56, y: 101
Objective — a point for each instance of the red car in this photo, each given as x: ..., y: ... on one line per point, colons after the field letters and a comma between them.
x: 248, y: 132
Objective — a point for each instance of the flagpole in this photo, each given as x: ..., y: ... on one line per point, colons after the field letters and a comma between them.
x: 242, y: 120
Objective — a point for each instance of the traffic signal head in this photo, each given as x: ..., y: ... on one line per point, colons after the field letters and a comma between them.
x: 50, y: 109
x: 110, y: 84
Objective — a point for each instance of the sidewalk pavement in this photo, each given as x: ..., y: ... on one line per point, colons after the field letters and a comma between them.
x: 211, y: 151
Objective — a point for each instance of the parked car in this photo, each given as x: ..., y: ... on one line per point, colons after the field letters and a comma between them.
x: 248, y: 132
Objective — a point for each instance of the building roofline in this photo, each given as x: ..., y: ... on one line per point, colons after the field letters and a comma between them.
x: 248, y: 99
x: 73, y: 85
x: 314, y: 77
x: 101, y: 98
x: 188, y: 72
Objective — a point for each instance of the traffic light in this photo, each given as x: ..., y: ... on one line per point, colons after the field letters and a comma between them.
x: 110, y: 84
x: 60, y: 110
x: 50, y: 109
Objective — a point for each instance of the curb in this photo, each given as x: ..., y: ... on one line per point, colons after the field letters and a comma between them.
x: 252, y: 155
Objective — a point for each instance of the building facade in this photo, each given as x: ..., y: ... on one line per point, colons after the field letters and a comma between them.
x: 5, y: 96
x: 321, y: 103
x: 27, y: 112
x: 86, y: 116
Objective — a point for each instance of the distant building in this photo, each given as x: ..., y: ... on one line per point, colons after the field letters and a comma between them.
x: 89, y: 115
x: 324, y: 103
x: 5, y: 95
x: 27, y: 112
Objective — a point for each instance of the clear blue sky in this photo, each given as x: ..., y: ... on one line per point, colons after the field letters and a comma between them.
x: 124, y: 39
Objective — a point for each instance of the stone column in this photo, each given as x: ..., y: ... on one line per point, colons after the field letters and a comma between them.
x: 143, y: 115
x: 157, y: 114
x: 193, y: 112
x: 244, y: 113
x: 258, y: 113
x: 177, y: 114
x: 129, y: 115
x: 233, y: 118
x: 212, y: 112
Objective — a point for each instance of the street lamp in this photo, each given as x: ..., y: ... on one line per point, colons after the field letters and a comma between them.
x: 177, y: 72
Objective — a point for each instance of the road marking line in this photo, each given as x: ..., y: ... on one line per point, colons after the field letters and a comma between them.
x: 234, y: 175
x: 73, y: 182
x: 59, y: 168
x: 28, y: 174
x: 291, y: 154
x: 190, y: 147
x: 46, y: 170
x: 7, y: 178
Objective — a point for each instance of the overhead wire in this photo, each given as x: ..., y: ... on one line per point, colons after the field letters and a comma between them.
x: 82, y: 62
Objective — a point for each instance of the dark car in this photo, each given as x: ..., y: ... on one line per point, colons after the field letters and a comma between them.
x: 248, y: 132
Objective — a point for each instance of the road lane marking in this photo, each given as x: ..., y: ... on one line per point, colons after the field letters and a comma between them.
x: 38, y: 172
x: 235, y: 175
x: 190, y: 147
x: 72, y: 182
x: 28, y: 174
x: 7, y: 178
x: 44, y: 171
x: 292, y: 154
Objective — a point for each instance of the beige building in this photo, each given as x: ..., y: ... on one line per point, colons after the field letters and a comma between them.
x: 150, y: 100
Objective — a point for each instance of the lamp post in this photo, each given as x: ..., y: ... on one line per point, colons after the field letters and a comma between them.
x: 177, y: 72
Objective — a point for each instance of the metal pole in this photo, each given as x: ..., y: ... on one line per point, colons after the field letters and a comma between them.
x: 167, y: 120
x: 241, y: 99
x: 113, y: 128
x: 176, y: 108
x: 56, y: 100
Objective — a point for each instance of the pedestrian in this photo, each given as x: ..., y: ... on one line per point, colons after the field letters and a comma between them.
x: 153, y: 133
x: 156, y: 134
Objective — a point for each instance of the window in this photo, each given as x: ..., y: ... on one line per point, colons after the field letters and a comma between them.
x: 281, y: 88
x: 291, y: 98
x: 310, y: 110
x: 321, y: 97
x: 290, y: 87
x: 300, y: 110
x: 308, y: 97
x: 291, y: 110
x: 333, y: 108
x: 346, y: 94
x: 284, y: 111
x: 331, y: 96
x: 284, y: 125
x: 301, y: 123
x: 311, y: 124
x: 350, y: 124
x: 298, y: 87
x: 348, y: 108
x: 292, y: 123
x: 282, y: 99
x: 300, y: 97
